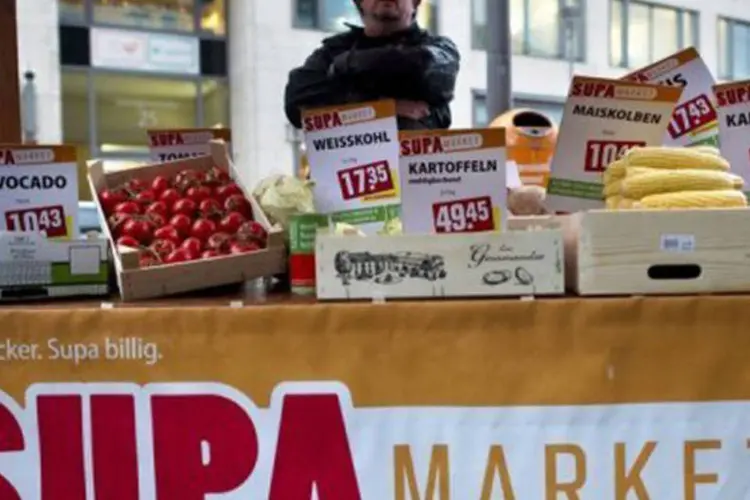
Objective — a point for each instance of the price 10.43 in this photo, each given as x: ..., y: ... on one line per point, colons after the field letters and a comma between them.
x: 468, y: 215
x: 599, y: 154
x: 51, y: 220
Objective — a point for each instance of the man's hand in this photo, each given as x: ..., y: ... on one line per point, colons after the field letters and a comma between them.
x: 416, y: 110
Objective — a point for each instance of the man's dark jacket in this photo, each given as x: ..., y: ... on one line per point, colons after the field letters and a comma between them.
x: 352, y: 67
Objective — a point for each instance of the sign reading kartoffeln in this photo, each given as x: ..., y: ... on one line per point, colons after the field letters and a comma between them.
x: 39, y: 189
x: 733, y: 104
x: 453, y: 181
x: 694, y: 119
x: 602, y: 120
x: 177, y: 144
x: 353, y: 154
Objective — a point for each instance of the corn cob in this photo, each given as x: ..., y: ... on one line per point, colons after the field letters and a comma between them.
x: 674, y: 158
x: 615, y: 171
x: 737, y: 182
x: 695, y: 199
x: 711, y: 150
x: 612, y: 202
x: 626, y: 203
x: 612, y: 188
x: 658, y: 181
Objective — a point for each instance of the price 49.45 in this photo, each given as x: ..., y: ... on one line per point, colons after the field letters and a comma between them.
x: 51, y: 220
x: 469, y: 215
x: 690, y: 116
x: 599, y: 154
x: 365, y: 180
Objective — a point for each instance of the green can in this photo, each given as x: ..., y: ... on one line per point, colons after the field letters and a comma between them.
x: 302, y: 231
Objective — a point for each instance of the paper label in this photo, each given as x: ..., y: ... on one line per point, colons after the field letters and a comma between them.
x: 171, y: 145
x: 39, y: 190
x: 453, y: 181
x: 733, y: 104
x: 677, y: 242
x: 602, y: 120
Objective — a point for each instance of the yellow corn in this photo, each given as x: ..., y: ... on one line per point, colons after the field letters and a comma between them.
x: 707, y: 149
x: 626, y: 203
x: 737, y: 182
x: 674, y: 158
x: 615, y: 171
x: 655, y: 181
x: 612, y: 202
x: 695, y: 199
x: 612, y: 188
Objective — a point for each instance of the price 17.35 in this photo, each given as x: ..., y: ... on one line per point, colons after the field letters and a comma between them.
x: 691, y: 116
x: 365, y: 180
x: 51, y: 220
x: 468, y: 215
x: 599, y: 154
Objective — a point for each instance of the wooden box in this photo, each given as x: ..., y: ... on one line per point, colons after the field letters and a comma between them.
x: 636, y: 252
x: 515, y: 263
x: 136, y: 283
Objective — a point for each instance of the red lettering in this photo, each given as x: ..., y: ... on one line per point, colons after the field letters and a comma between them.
x: 60, y: 422
x: 313, y: 450
x: 11, y: 440
x: 187, y: 428
x: 421, y: 146
x: 322, y: 121
x: 115, y: 454
x: 593, y: 89
x: 7, y: 158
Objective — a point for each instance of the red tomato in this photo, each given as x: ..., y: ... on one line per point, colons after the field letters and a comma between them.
x: 179, y: 255
x: 238, y: 203
x: 128, y: 207
x: 223, y: 192
x: 116, y: 222
x: 219, y: 242
x: 145, y: 197
x: 210, y: 208
x: 156, y: 220
x: 182, y: 223
x: 170, y: 196
x: 136, y: 185
x: 185, y: 206
x: 139, y: 229
x: 210, y: 254
x: 110, y: 198
x: 231, y: 222
x: 169, y: 233
x: 216, y: 176
x: 193, y: 246
x: 127, y: 241
x: 203, y: 229
x: 198, y: 193
x: 163, y: 248
x: 158, y: 207
x: 187, y: 178
x: 160, y: 184
x: 148, y: 259
x: 243, y: 247
x: 252, y: 231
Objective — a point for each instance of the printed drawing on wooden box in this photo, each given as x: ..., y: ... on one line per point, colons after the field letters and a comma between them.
x: 388, y: 268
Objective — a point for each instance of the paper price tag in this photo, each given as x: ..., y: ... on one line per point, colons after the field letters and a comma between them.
x: 602, y: 120
x: 694, y: 119
x: 171, y: 145
x: 733, y: 103
x: 39, y: 190
x: 353, y: 155
x: 453, y: 181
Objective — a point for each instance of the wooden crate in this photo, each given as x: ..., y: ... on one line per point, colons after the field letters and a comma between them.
x: 636, y: 252
x: 515, y: 263
x: 136, y: 283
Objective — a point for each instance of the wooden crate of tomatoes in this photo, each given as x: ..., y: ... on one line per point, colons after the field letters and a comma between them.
x: 183, y: 226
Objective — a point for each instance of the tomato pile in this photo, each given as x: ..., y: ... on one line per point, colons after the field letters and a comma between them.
x: 195, y: 215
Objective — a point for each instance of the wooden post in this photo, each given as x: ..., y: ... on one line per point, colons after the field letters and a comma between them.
x: 10, y: 117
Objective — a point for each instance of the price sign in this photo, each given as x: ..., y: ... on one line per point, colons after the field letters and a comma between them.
x: 39, y: 190
x: 453, y: 181
x: 733, y: 105
x: 602, y: 120
x: 353, y: 155
x: 178, y: 144
x: 694, y: 118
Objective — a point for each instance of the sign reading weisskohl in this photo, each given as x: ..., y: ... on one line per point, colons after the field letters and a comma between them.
x: 353, y: 153
x: 694, y: 119
x: 733, y: 103
x: 602, y: 120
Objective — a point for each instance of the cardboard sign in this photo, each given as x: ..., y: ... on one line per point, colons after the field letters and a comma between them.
x: 694, y: 119
x: 353, y: 154
x: 602, y: 120
x: 733, y: 104
x: 39, y: 189
x: 178, y: 144
x: 453, y: 181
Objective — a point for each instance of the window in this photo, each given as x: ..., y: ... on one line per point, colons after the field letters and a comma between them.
x: 72, y: 11
x: 641, y: 33
x: 174, y: 15
x: 734, y: 49
x: 539, y: 28
x: 333, y: 15
x: 551, y: 108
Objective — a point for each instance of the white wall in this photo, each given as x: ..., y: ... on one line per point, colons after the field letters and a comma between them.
x: 39, y: 51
